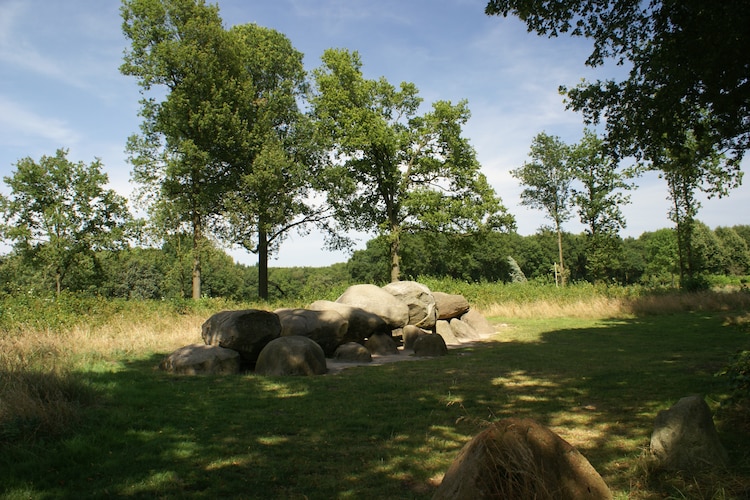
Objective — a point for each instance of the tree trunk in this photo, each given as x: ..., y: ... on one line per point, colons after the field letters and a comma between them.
x: 262, y: 263
x: 197, y: 237
x: 560, y: 256
x: 395, y: 241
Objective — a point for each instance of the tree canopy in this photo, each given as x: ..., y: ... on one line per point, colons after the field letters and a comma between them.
x: 276, y: 169
x: 599, y: 199
x: 393, y: 169
x: 227, y: 151
x: 59, y: 212
x: 689, y: 63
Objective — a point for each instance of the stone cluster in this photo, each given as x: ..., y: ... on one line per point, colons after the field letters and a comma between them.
x: 365, y: 321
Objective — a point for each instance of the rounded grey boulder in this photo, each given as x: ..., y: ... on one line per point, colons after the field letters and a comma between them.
x: 201, y: 359
x: 246, y: 331
x: 374, y: 299
x: 354, y: 352
x: 292, y: 355
x: 418, y: 298
x: 430, y: 345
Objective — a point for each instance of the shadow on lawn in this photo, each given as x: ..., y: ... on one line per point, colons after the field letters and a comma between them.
x: 377, y: 432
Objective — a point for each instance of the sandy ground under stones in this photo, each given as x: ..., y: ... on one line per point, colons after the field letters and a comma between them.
x: 335, y: 366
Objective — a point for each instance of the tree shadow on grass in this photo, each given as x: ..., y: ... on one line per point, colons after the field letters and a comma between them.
x: 600, y: 387
x: 374, y: 432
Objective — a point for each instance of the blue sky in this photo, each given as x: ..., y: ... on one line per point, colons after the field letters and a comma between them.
x: 60, y: 87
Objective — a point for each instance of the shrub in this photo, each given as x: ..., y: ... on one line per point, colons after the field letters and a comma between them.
x: 737, y: 373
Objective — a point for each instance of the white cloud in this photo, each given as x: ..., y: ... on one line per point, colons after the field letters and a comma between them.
x: 19, y: 125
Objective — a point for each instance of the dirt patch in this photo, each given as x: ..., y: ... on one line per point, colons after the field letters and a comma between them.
x: 336, y: 366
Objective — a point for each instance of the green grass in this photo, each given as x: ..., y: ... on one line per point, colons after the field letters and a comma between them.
x: 388, y: 431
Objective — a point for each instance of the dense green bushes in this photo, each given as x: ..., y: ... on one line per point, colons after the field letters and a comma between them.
x: 165, y: 273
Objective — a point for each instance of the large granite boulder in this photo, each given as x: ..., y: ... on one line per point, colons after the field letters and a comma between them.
x: 443, y: 328
x: 381, y: 345
x: 246, y: 331
x: 293, y: 355
x: 463, y: 331
x: 684, y: 437
x: 430, y: 345
x: 353, y: 352
x: 374, y: 299
x: 201, y: 359
x: 520, y: 458
x: 450, y: 306
x: 362, y: 323
x: 327, y: 328
x: 418, y: 298
x: 409, y: 334
x: 478, y: 322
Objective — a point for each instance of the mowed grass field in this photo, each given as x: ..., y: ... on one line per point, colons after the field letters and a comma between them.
x: 85, y: 413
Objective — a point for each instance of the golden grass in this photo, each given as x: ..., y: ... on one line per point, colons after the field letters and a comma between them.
x: 598, y: 307
x: 73, y: 347
x: 39, y: 391
x: 622, y: 307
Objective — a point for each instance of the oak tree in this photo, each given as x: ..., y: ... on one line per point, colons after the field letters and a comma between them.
x: 181, y: 54
x: 277, y: 163
x: 59, y: 212
x: 599, y: 194
x: 393, y: 169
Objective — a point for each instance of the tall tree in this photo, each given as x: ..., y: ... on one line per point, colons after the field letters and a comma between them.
x: 547, y: 180
x: 689, y: 63
x: 59, y: 211
x: 181, y: 47
x: 688, y: 169
x: 277, y: 163
x: 599, y: 200
x: 393, y: 169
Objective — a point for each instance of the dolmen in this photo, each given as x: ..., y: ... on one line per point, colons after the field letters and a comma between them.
x: 365, y: 321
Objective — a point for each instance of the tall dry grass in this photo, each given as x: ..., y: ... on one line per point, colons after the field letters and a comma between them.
x: 42, y: 391
x: 598, y: 307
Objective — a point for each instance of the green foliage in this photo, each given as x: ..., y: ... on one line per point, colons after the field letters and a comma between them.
x: 179, y: 158
x: 673, y: 85
x: 395, y: 171
x: 547, y: 179
x: 278, y: 166
x: 737, y: 374
x: 599, y: 200
x: 59, y: 215
x: 561, y: 177
x: 735, y: 252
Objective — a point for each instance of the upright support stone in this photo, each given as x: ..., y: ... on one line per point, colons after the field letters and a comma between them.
x: 684, y: 437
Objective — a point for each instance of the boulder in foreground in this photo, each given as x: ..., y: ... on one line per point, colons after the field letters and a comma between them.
x: 684, y: 437
x: 518, y: 459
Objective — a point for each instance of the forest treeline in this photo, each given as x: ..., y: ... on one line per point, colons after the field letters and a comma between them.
x: 136, y: 273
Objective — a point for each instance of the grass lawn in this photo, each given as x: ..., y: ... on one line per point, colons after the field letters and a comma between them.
x: 389, y: 431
